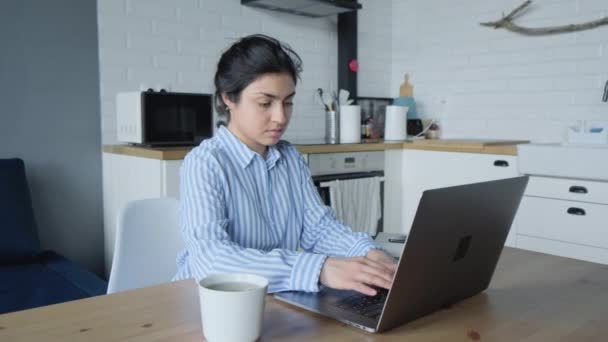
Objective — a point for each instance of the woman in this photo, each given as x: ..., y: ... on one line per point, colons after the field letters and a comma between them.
x: 248, y: 201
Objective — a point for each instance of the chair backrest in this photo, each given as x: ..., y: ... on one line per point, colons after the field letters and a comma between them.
x: 147, y: 243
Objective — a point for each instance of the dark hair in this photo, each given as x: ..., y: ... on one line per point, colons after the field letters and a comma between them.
x: 248, y: 59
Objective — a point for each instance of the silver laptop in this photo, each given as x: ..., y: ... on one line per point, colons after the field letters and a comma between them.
x: 452, y: 250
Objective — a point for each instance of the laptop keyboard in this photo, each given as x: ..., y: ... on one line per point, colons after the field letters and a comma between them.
x: 368, y: 306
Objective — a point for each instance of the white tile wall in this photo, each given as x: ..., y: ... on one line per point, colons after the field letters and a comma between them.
x: 488, y: 83
x: 375, y: 48
x: 176, y: 45
x: 479, y: 82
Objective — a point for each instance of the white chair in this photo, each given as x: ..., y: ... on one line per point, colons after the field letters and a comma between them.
x: 147, y: 243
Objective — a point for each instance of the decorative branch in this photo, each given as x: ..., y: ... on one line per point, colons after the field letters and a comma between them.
x: 507, y: 23
x: 519, y: 9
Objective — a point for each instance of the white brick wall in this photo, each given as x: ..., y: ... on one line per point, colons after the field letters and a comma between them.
x: 176, y: 45
x: 488, y: 83
x: 375, y: 48
x: 479, y: 82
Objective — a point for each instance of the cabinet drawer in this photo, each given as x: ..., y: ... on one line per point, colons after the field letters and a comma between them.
x: 568, y: 189
x: 567, y: 221
x: 425, y: 170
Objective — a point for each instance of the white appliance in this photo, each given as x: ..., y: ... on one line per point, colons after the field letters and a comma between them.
x: 163, y: 118
x: 328, y: 167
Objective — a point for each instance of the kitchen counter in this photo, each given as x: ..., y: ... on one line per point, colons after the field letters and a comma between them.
x: 488, y: 146
x: 506, y: 147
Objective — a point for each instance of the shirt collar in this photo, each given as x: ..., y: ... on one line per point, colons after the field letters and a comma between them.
x: 273, y: 156
x: 242, y: 153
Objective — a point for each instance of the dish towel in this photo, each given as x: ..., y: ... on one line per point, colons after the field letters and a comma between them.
x: 356, y: 202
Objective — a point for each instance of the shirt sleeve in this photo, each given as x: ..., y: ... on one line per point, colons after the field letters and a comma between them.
x: 322, y: 232
x: 209, y: 248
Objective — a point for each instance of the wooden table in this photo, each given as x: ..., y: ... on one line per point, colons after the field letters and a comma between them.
x: 533, y: 297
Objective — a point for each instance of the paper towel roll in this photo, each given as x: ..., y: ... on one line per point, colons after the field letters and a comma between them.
x: 395, y: 123
x: 350, y: 124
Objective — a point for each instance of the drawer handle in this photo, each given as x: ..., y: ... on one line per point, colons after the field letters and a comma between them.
x: 578, y: 189
x: 576, y: 211
x: 501, y: 163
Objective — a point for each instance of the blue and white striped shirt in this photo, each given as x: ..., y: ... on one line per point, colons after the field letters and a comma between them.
x: 241, y: 213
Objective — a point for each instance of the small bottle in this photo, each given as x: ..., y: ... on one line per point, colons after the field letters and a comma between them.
x: 370, y: 128
x: 363, y: 128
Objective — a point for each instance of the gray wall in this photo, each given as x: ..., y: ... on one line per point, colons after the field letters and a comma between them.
x: 50, y: 117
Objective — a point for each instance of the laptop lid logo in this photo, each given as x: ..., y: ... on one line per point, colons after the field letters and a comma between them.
x: 463, y: 247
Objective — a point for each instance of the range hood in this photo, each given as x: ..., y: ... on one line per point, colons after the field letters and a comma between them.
x: 308, y: 8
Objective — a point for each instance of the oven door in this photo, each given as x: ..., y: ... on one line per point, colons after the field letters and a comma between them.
x: 324, y: 190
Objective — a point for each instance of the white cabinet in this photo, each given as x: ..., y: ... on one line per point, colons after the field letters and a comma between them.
x: 563, y: 160
x: 393, y: 191
x: 424, y: 170
x: 565, y: 207
x: 127, y: 178
x: 568, y: 189
x: 567, y: 217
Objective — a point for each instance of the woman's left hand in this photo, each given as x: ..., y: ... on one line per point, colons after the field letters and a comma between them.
x: 381, y: 257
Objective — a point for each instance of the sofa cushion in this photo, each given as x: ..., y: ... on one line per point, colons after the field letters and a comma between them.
x: 19, y: 242
x: 52, y: 279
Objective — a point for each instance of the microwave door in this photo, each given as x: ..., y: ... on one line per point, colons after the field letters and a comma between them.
x: 164, y: 121
x: 177, y: 118
x: 158, y: 112
x: 202, y: 121
x: 185, y: 122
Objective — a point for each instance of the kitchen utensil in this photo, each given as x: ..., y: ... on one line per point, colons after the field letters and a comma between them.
x: 320, y: 92
x: 327, y: 99
x: 343, y: 95
x: 406, y: 89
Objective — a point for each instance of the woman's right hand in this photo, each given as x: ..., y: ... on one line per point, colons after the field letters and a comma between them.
x: 360, y: 274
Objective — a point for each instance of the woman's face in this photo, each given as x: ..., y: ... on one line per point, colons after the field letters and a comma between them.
x: 262, y: 114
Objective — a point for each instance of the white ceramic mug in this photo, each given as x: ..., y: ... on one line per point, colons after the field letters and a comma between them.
x: 232, y: 306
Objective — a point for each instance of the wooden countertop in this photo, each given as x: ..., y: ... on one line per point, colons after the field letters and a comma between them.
x: 532, y: 297
x: 506, y: 147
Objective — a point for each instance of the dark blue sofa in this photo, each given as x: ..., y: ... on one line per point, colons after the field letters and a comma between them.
x: 30, y: 277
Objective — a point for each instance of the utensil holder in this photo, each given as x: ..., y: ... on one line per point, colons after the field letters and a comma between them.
x: 332, y: 127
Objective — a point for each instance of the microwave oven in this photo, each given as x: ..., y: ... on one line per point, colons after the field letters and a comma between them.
x: 161, y: 118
